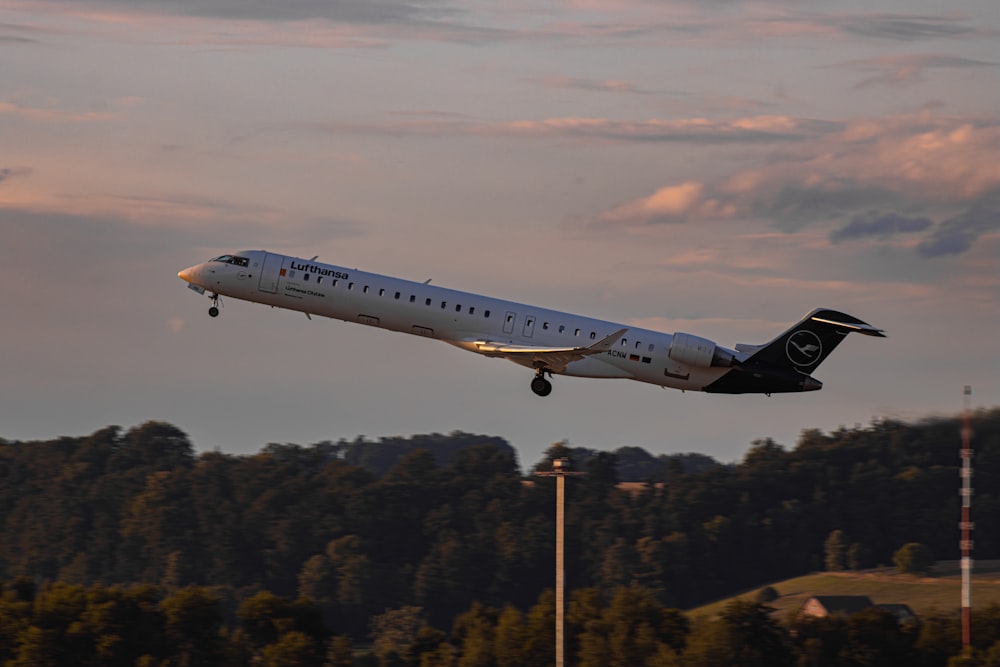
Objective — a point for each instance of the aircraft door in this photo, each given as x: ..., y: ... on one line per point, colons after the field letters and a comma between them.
x: 529, y: 326
x: 508, y: 322
x: 270, y: 273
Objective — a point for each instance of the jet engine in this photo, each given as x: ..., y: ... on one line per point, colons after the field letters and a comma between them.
x: 696, y: 351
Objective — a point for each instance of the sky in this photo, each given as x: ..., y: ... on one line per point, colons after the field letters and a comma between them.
x: 717, y: 167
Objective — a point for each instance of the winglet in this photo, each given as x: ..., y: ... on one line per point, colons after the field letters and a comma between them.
x: 856, y: 326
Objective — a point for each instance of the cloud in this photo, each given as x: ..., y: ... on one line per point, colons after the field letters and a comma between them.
x: 956, y: 235
x: 379, y: 23
x: 50, y: 115
x: 924, y: 164
x: 343, y: 11
x: 907, y: 69
x: 7, y: 173
x: 752, y: 129
x: 673, y: 203
x: 592, y: 85
x: 199, y: 221
x: 879, y: 225
x: 902, y: 27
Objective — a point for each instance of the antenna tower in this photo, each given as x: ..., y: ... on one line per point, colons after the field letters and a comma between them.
x: 966, y: 525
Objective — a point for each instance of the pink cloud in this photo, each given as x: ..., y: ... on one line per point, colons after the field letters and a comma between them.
x: 672, y: 203
x: 924, y: 160
x: 51, y: 115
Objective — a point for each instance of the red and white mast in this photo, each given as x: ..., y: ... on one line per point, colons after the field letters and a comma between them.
x: 966, y: 524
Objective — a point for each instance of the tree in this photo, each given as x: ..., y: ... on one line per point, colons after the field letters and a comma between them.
x: 875, y: 637
x: 338, y: 652
x: 508, y: 642
x: 266, y: 617
x: 293, y: 649
x: 939, y: 638
x: 395, y: 632
x: 835, y: 551
x: 859, y: 557
x: 744, y: 636
x: 632, y: 630
x: 540, y: 631
x: 913, y: 558
x: 767, y: 594
x: 192, y: 623
x: 474, y: 630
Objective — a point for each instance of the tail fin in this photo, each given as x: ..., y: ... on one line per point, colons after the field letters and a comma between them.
x: 804, y: 346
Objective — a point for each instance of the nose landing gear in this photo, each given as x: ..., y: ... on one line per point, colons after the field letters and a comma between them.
x: 216, y: 301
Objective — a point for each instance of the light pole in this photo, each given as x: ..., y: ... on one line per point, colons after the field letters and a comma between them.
x: 560, y: 470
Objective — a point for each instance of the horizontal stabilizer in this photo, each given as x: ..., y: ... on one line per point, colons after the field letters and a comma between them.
x: 855, y: 325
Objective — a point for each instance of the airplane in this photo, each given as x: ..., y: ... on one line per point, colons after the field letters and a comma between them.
x: 548, y: 341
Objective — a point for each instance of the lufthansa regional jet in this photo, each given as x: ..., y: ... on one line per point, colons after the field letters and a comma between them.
x: 548, y: 341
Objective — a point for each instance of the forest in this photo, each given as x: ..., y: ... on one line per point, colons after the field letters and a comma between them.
x: 438, y: 549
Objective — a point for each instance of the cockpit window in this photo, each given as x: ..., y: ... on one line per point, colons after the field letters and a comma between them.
x: 231, y: 259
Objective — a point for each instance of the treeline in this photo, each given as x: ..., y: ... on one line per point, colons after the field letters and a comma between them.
x: 144, y: 626
x: 139, y: 506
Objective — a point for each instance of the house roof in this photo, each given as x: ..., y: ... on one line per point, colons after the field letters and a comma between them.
x: 842, y: 604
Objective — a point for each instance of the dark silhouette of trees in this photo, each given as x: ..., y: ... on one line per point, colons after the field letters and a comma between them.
x: 338, y: 533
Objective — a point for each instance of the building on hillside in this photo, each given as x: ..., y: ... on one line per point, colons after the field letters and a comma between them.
x: 821, y: 606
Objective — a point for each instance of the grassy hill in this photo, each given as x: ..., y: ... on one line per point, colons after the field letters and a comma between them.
x: 941, y: 590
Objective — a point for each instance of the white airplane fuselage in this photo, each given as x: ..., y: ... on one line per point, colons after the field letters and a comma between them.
x: 550, y: 341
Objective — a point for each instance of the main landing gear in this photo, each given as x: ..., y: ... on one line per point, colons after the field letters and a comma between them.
x: 214, y: 310
x: 539, y: 384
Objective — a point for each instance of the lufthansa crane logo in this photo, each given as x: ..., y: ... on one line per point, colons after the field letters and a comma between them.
x: 803, y: 348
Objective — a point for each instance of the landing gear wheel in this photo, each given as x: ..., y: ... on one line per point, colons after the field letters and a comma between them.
x: 541, y: 386
x: 214, y: 310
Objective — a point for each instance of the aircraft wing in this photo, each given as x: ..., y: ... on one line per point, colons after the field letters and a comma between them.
x: 553, y: 358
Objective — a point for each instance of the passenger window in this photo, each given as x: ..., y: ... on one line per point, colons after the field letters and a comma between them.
x: 365, y: 290
x: 427, y: 302
x: 458, y: 308
x: 637, y: 345
x: 593, y: 335
x: 319, y: 280
x: 350, y: 285
x: 472, y: 309
x: 562, y: 327
x: 650, y: 347
x: 545, y: 325
x: 443, y: 304
x: 624, y: 341
x: 335, y: 281
x: 576, y: 333
x: 486, y: 313
x: 306, y: 277
x: 381, y: 292
x: 413, y: 297
x: 397, y: 296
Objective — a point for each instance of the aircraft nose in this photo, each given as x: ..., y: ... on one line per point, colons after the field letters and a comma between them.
x: 187, y: 275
